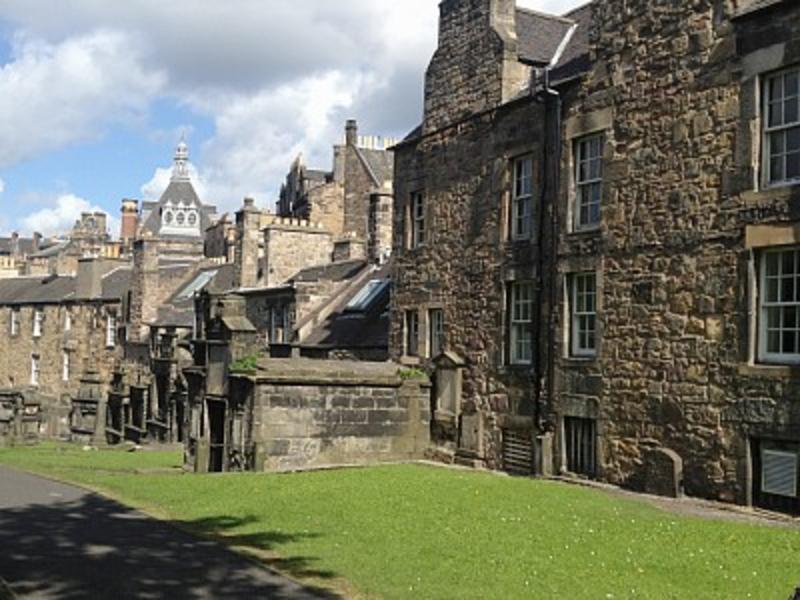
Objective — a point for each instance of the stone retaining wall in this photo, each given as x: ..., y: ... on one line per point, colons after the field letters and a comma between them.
x: 323, y: 413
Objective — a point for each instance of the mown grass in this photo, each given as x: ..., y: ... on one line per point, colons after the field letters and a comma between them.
x: 423, y: 532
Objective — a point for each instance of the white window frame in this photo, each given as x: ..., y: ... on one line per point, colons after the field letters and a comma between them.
x: 14, y: 322
x: 35, y: 372
x: 38, y: 319
x: 67, y: 319
x: 436, y: 331
x: 417, y: 214
x: 765, y: 305
x: 65, y: 366
x: 411, y: 332
x: 520, y: 321
x: 583, y: 310
x: 769, y: 133
x: 585, y: 181
x: 111, y: 330
x: 522, y: 199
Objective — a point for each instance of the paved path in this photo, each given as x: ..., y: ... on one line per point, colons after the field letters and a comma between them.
x: 58, y: 541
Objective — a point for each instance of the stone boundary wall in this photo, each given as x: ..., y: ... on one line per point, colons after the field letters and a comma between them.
x: 309, y: 414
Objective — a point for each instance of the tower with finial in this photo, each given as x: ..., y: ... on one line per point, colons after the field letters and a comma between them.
x: 180, y: 168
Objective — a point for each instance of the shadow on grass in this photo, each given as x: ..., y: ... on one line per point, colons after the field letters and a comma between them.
x: 77, y: 545
x: 266, y: 541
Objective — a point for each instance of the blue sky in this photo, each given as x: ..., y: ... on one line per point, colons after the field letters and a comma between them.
x: 94, y: 95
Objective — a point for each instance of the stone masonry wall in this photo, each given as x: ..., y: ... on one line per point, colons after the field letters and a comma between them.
x: 85, y: 343
x: 321, y: 413
x: 675, y: 366
x: 290, y: 248
x: 475, y: 66
x: 467, y: 260
x: 326, y: 206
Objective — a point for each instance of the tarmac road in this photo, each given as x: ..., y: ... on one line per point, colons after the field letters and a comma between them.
x: 59, y: 541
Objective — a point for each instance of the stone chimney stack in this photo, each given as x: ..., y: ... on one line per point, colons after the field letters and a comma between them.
x: 90, y: 278
x: 351, y: 133
x: 248, y: 233
x: 37, y: 241
x: 476, y: 65
x: 130, y: 220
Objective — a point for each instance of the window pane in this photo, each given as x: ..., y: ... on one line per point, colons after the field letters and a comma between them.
x: 788, y: 342
x: 775, y: 88
x: 774, y: 342
x: 790, y: 110
x: 793, y: 165
x: 793, y: 139
x: 776, y: 169
x: 777, y: 143
x: 595, y: 169
x: 772, y: 265
x: 792, y: 84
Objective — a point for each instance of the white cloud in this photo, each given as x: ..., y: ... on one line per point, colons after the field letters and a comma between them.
x: 2, y: 186
x: 53, y: 95
x: 59, y: 217
x: 278, y: 78
x: 258, y: 136
x: 153, y: 189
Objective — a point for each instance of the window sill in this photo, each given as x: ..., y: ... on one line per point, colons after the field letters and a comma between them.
x: 770, y: 370
x: 585, y: 231
x: 578, y: 361
x: 772, y: 193
x: 514, y: 369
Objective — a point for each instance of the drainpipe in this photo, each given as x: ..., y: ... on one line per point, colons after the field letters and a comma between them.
x: 551, y: 169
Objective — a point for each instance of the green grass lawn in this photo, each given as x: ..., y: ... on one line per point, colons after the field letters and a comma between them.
x: 424, y: 532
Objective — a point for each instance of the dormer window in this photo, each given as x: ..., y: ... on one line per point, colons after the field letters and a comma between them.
x: 168, y: 217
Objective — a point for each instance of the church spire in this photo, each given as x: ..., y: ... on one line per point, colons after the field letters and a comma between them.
x: 180, y: 167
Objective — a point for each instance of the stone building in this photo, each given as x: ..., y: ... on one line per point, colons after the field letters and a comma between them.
x: 596, y: 220
x: 58, y: 328
x: 89, y: 237
x: 340, y: 199
x: 471, y: 264
x: 278, y: 414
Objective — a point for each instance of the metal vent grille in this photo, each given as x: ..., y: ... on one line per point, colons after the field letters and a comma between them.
x: 779, y: 473
x: 517, y: 453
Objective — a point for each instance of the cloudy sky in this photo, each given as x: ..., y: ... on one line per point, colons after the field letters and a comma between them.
x: 94, y: 95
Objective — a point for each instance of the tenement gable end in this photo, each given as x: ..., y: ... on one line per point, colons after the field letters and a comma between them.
x: 485, y: 56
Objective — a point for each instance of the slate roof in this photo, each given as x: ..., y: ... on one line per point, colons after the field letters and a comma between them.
x: 178, y: 311
x: 317, y: 175
x: 379, y: 164
x: 36, y: 290
x: 52, y: 250
x: 116, y: 283
x: 540, y: 34
x: 575, y: 59
x: 352, y: 330
x: 334, y: 272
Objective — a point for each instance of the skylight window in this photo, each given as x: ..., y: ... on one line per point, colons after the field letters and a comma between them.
x: 367, y: 296
x: 199, y: 283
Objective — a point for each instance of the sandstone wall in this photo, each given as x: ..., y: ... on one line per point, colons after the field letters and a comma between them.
x: 322, y: 413
x: 467, y: 259
x: 289, y: 248
x: 677, y: 87
x: 475, y: 66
